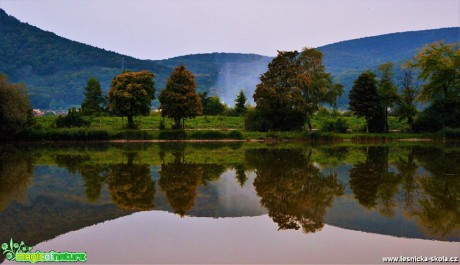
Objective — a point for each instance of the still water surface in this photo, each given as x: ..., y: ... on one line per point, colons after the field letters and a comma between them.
x: 232, y: 203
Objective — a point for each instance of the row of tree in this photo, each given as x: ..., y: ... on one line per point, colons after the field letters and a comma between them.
x: 131, y: 94
x: 438, y: 67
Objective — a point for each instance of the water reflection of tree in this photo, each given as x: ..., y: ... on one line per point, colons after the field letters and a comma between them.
x: 131, y: 185
x: 93, y: 174
x: 295, y: 192
x: 15, y: 176
x: 180, y: 180
x: 240, y: 174
x: 438, y: 209
x: 372, y: 183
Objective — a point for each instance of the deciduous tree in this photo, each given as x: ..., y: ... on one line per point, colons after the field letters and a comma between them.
x: 15, y: 110
x: 386, y: 89
x: 179, y: 99
x: 364, y: 101
x: 131, y: 93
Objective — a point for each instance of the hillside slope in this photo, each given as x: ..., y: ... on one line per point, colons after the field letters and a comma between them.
x: 56, y: 69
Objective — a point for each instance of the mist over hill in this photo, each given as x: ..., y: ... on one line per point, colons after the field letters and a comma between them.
x: 56, y: 69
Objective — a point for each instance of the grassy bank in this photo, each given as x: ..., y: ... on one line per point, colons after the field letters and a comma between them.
x: 205, y: 128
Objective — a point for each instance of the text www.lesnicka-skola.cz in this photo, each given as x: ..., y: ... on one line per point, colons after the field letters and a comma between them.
x: 420, y: 259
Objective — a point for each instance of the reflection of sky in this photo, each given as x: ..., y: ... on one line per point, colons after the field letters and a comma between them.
x: 232, y: 196
x: 160, y: 237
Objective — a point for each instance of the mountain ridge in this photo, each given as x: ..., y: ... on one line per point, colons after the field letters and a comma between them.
x: 56, y: 69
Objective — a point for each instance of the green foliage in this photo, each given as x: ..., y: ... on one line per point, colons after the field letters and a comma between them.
x: 94, y: 102
x: 365, y: 102
x: 293, y: 88
x: 316, y: 84
x: 386, y: 90
x: 15, y: 110
x: 131, y: 94
x: 438, y: 64
x: 440, y: 114
x: 405, y: 105
x: 73, y: 134
x: 255, y: 120
x: 279, y: 96
x: 173, y: 135
x: 56, y: 68
x: 179, y: 99
x: 339, y: 125
x: 212, y: 105
x: 240, y: 103
x: 74, y: 118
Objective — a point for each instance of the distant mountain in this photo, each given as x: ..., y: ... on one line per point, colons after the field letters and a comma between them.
x: 347, y: 59
x: 56, y: 69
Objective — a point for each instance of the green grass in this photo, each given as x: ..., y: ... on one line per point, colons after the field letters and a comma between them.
x: 214, y: 128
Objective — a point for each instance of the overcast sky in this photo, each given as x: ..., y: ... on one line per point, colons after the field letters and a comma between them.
x: 158, y: 29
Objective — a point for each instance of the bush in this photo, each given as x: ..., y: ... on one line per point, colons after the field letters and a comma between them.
x: 339, y: 126
x: 210, y: 135
x: 36, y: 134
x: 173, y: 135
x: 74, y: 118
x: 254, y: 120
x: 235, y: 135
x: 133, y: 135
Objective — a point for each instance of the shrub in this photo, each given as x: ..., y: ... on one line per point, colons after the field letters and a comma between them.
x: 173, y: 135
x: 339, y: 126
x: 235, y: 135
x: 254, y: 120
x: 74, y: 118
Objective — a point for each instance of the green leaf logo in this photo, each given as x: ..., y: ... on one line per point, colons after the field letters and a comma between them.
x: 12, y: 248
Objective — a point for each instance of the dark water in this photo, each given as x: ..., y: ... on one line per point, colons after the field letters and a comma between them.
x: 403, y: 191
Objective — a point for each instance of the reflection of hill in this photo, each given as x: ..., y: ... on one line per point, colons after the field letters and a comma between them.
x: 45, y: 218
x: 55, y: 201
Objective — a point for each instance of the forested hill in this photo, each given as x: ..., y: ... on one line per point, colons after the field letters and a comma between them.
x: 56, y: 69
x: 347, y: 59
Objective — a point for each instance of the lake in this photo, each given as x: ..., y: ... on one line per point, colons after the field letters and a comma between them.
x: 247, y: 203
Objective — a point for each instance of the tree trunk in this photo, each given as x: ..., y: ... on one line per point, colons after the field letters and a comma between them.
x: 367, y: 124
x: 131, y: 124
x: 309, y: 125
x: 176, y: 123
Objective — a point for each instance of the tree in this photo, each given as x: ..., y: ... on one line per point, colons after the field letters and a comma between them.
x: 240, y: 103
x: 386, y: 90
x: 94, y: 101
x: 15, y: 110
x: 293, y: 190
x: 178, y: 100
x: 131, y: 185
x: 212, y: 105
x: 316, y: 84
x: 364, y: 101
x: 278, y: 96
x: 405, y: 105
x: 293, y: 88
x: 438, y: 64
x: 131, y: 93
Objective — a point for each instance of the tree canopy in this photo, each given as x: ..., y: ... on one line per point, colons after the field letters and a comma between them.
x: 240, y: 103
x: 15, y: 110
x: 131, y: 94
x: 94, y: 102
x: 365, y: 102
x: 179, y: 100
x: 293, y: 88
